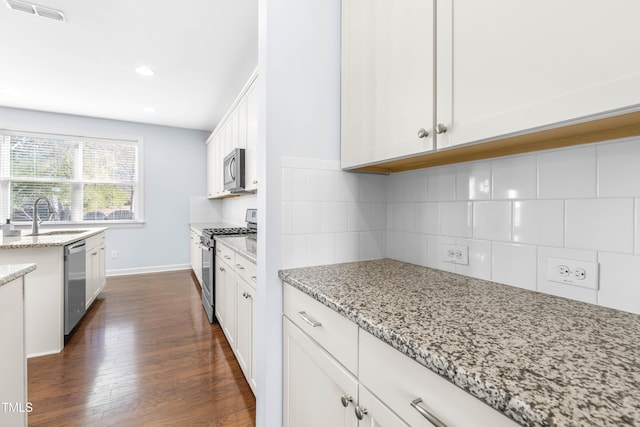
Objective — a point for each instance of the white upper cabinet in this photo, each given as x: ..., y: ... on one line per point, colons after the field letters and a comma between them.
x: 387, y: 79
x: 494, y: 71
x: 507, y: 67
x: 237, y: 129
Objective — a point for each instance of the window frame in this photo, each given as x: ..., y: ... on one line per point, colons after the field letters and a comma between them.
x: 5, y: 177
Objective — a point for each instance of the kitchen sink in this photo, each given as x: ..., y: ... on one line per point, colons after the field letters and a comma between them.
x: 57, y: 232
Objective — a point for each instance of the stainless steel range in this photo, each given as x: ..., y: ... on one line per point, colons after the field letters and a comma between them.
x: 207, y: 243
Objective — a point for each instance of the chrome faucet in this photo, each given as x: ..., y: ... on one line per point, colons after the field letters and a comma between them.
x: 34, y: 227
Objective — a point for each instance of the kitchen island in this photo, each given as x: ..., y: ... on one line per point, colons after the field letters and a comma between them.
x: 44, y: 290
x: 539, y: 359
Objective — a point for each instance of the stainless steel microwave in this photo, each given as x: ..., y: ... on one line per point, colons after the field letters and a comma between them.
x: 233, y: 171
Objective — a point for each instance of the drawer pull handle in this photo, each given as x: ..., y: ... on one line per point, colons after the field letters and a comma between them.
x: 360, y: 412
x: 221, y: 269
x: 246, y: 295
x: 346, y: 399
x: 239, y: 267
x: 227, y: 257
x: 428, y: 415
x: 254, y: 278
x: 309, y: 320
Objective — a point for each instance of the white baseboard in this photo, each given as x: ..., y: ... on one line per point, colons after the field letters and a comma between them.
x: 144, y: 270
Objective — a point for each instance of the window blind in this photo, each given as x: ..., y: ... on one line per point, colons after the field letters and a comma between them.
x: 85, y: 179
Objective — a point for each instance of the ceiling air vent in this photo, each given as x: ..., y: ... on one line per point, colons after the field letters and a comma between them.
x: 34, y: 9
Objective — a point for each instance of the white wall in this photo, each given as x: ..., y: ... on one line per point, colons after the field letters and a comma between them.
x: 174, y: 170
x: 299, y: 92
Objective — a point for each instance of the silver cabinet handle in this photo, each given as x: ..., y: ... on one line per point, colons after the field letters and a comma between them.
x: 360, y: 412
x: 308, y: 319
x: 227, y: 257
x: 346, y: 399
x: 239, y: 267
x: 221, y: 269
x: 423, y: 133
x: 254, y: 278
x: 246, y: 295
x: 441, y: 128
x: 428, y: 415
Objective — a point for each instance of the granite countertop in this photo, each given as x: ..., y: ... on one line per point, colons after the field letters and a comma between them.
x: 245, y: 246
x: 10, y: 272
x: 541, y: 360
x: 43, y: 240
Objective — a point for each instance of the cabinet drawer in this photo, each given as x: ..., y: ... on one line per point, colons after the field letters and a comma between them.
x: 404, y: 380
x: 246, y: 269
x: 335, y: 333
x: 225, y: 253
x: 94, y: 241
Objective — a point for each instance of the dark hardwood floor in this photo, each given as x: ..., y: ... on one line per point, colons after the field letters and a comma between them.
x: 143, y: 355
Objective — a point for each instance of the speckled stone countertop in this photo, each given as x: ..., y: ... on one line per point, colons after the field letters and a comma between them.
x: 245, y: 246
x: 541, y: 360
x: 10, y: 272
x: 44, y: 241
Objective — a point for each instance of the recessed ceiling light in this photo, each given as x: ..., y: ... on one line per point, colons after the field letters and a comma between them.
x: 145, y: 71
x: 149, y: 110
x: 34, y: 9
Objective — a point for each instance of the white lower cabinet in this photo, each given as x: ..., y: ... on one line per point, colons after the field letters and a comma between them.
x: 95, y: 267
x: 235, y: 296
x: 315, y: 384
x: 384, y: 388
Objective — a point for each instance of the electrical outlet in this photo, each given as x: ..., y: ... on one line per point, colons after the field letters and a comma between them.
x: 114, y: 254
x: 455, y: 254
x: 572, y: 272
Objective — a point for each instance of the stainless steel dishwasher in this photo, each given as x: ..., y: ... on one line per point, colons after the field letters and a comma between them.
x: 75, y: 276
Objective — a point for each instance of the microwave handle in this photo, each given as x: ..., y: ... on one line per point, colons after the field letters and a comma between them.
x: 231, y: 167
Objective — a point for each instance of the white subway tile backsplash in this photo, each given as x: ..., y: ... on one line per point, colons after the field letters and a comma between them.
x: 473, y: 181
x: 428, y: 217
x: 600, y: 224
x: 434, y: 250
x: 441, y: 184
x: 567, y: 173
x: 347, y: 247
x: 618, y: 171
x: 560, y: 289
x: 414, y: 185
x: 513, y: 213
x: 321, y: 249
x: 372, y: 188
x: 619, y: 285
x: 334, y: 217
x: 321, y: 187
x: 456, y: 219
x: 299, y: 184
x: 479, y: 259
x: 514, y: 264
x: 514, y: 178
x: 306, y: 217
x: 492, y: 220
x: 371, y: 245
x: 347, y: 186
x: 539, y: 222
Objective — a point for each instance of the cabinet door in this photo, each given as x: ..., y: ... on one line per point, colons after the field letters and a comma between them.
x: 220, y: 291
x: 211, y: 168
x: 229, y: 302
x: 375, y: 413
x: 245, y: 298
x: 314, y: 384
x: 387, y: 79
x: 251, y: 153
x: 505, y: 67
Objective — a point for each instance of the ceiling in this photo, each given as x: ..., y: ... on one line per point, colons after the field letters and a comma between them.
x: 203, y: 51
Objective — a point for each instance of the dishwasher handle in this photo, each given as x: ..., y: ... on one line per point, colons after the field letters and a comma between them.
x: 76, y: 247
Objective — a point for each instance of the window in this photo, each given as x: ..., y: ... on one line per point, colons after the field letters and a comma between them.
x: 85, y: 179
